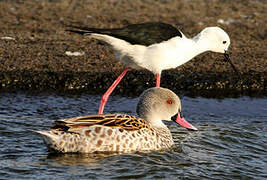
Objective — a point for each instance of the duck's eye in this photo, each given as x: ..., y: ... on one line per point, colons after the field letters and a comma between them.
x: 169, y: 101
x: 224, y: 42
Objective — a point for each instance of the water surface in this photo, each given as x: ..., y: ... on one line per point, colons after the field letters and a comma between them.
x: 230, y: 144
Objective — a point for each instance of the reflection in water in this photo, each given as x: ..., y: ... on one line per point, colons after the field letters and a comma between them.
x: 75, y: 159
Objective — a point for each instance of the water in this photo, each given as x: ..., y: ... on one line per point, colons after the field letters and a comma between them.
x: 230, y: 144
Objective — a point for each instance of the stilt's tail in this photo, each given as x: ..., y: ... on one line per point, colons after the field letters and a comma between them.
x: 82, y: 32
x: 86, y: 30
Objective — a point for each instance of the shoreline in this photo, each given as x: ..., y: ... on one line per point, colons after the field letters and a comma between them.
x: 194, y: 84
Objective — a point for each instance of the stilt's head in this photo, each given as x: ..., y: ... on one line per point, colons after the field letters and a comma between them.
x: 215, y: 39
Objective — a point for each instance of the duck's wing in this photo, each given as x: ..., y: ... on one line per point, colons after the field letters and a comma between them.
x: 143, y: 34
x: 123, y: 121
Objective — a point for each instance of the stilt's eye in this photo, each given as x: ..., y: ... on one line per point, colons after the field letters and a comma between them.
x: 169, y: 101
x: 224, y: 42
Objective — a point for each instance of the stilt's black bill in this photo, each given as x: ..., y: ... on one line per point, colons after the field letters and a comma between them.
x: 227, y: 59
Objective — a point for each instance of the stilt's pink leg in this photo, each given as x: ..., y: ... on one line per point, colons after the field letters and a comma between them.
x: 110, y: 89
x: 158, y: 80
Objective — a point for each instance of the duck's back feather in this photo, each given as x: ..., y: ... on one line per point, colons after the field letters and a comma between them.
x: 126, y: 122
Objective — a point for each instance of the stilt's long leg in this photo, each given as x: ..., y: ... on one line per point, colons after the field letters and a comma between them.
x: 158, y: 80
x: 110, y: 89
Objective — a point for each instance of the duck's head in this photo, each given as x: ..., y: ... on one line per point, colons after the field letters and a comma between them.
x: 157, y: 104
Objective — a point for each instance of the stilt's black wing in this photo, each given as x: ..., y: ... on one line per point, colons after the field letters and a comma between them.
x: 143, y: 34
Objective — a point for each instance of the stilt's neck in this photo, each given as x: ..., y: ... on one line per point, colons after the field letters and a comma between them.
x: 201, y: 44
x: 182, y: 51
x: 191, y: 47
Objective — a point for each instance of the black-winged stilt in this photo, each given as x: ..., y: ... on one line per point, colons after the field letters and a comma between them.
x: 156, y: 46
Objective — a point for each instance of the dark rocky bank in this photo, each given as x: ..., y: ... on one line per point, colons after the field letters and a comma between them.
x: 35, y: 58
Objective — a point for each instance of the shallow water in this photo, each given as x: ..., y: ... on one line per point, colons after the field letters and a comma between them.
x: 230, y: 144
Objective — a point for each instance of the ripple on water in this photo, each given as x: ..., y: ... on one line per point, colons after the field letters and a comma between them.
x: 230, y: 143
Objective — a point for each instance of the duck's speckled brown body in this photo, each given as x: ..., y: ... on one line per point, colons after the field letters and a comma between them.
x: 118, y: 132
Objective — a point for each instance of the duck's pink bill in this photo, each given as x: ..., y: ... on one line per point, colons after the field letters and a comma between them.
x: 184, y: 123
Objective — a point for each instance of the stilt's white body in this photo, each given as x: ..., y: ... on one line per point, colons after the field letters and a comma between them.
x: 167, y: 54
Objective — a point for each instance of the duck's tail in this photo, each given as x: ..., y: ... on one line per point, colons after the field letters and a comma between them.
x: 50, y: 139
